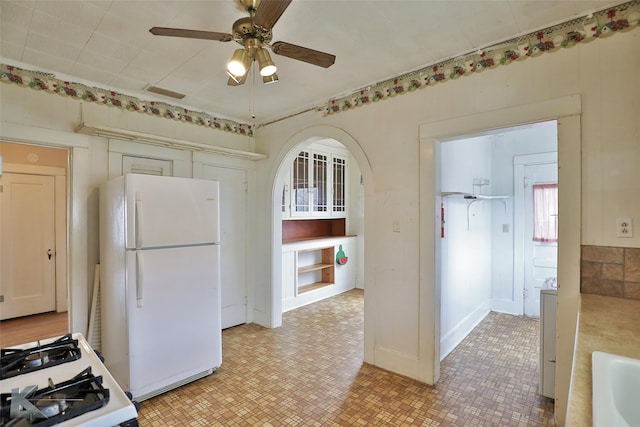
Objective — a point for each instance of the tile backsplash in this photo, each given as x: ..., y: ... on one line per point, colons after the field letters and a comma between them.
x: 610, y: 271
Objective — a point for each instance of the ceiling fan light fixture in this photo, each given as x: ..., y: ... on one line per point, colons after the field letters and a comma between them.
x: 239, y: 63
x: 270, y: 79
x: 267, y: 67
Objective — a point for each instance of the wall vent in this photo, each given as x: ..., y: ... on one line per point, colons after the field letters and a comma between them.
x: 164, y: 92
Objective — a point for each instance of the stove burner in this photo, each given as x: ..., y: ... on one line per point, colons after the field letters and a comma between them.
x: 36, y: 359
x: 54, y: 404
x: 16, y: 361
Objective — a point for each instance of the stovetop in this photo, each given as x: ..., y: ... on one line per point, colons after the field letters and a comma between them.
x: 18, y: 361
x: 63, y: 377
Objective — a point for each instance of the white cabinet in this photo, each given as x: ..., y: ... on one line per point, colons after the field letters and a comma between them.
x: 548, y: 302
x: 316, y: 185
x: 310, y: 271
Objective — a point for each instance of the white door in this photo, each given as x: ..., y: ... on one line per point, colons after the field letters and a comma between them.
x: 233, y: 246
x: 27, y: 234
x: 539, y: 259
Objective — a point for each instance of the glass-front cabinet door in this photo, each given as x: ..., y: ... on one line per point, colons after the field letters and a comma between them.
x: 319, y: 200
x: 339, y: 168
x: 318, y: 186
x: 300, y: 175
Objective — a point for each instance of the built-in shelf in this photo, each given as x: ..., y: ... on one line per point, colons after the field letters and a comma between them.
x: 313, y: 267
x: 318, y: 228
x: 470, y: 196
x: 312, y: 287
x: 323, y: 272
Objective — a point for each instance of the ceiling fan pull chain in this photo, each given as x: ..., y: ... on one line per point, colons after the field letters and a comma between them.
x: 251, y: 92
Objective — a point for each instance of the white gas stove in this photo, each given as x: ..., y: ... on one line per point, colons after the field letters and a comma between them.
x: 60, y: 381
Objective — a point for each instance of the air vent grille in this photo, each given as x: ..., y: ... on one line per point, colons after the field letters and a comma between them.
x: 165, y: 92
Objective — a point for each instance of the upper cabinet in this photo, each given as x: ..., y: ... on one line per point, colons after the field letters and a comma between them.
x: 316, y: 186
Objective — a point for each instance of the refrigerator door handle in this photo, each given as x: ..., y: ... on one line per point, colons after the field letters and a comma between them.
x: 139, y: 278
x: 138, y: 221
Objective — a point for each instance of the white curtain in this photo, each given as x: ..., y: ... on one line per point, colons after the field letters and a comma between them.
x: 545, y: 213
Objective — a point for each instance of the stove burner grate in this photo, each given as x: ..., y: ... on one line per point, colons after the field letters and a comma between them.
x: 57, y: 403
x: 17, y: 361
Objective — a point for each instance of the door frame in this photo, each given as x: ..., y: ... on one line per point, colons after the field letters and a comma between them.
x: 520, y: 162
x: 567, y: 111
x: 60, y: 223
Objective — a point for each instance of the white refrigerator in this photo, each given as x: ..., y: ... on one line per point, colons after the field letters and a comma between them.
x: 159, y: 281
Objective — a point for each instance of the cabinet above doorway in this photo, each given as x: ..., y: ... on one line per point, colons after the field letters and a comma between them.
x: 316, y: 185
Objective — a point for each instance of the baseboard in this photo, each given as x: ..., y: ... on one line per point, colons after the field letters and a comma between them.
x: 506, y: 306
x: 451, y: 339
x: 314, y: 296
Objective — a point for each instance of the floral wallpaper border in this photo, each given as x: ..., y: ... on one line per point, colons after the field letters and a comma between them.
x: 49, y: 83
x: 620, y: 18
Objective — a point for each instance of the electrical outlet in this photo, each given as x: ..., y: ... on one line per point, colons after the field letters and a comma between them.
x: 624, y: 227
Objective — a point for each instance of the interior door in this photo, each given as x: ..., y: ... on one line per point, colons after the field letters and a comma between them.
x: 233, y: 246
x: 540, y: 259
x: 27, y: 235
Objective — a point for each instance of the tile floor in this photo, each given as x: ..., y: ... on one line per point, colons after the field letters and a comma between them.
x: 309, y: 372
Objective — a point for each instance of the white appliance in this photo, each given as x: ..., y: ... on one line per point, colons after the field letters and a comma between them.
x: 57, y: 368
x: 160, y: 281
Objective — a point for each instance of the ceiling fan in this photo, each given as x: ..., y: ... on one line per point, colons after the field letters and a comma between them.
x: 254, y: 34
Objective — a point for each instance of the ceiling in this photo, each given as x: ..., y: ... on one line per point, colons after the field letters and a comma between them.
x: 107, y: 44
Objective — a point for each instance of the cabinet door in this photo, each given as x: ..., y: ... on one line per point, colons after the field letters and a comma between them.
x: 318, y: 186
x: 286, y: 198
x: 300, y: 184
x: 319, y: 179
x: 339, y: 179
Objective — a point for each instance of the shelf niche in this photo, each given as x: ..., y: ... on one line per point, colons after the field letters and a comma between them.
x: 322, y: 273
x: 303, y: 229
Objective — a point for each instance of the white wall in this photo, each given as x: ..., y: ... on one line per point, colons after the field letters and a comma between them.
x: 400, y: 275
x: 399, y: 302
x: 466, y: 248
x: 34, y: 117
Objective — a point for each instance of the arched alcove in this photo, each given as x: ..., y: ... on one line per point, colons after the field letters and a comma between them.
x: 286, y: 156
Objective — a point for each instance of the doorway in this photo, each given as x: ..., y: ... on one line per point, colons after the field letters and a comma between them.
x: 477, y: 252
x: 322, y: 219
x: 33, y: 235
x: 566, y: 111
x: 282, y: 163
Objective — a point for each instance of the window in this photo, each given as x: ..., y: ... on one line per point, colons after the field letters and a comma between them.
x: 545, y: 213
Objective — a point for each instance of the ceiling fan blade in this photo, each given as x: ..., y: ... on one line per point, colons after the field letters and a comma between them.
x: 305, y: 54
x: 269, y: 11
x: 192, y: 34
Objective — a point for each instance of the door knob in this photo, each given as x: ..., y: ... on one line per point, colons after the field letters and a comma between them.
x: 50, y: 253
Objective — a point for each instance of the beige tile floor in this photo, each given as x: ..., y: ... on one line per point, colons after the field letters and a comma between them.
x: 309, y: 372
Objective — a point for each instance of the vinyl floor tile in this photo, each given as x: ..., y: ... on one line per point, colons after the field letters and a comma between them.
x: 310, y: 372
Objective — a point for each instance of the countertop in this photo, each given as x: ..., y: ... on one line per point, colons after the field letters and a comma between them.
x: 304, y: 243
x: 605, y: 324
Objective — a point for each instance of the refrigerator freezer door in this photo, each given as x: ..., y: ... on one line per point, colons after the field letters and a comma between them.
x: 174, y: 316
x: 168, y: 211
